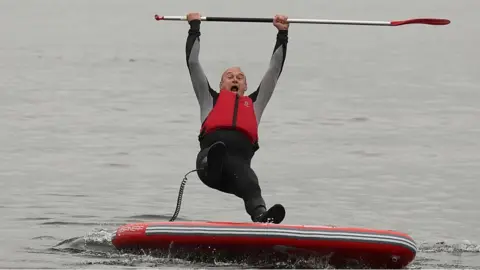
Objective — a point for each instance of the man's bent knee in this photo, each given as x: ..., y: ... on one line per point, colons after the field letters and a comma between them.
x: 209, y: 164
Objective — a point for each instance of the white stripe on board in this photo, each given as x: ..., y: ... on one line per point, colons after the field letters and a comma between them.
x: 303, y: 236
x: 268, y: 228
x: 379, y: 235
x: 317, y: 235
x: 286, y: 231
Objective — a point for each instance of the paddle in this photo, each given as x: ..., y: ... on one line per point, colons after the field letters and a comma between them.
x: 429, y: 21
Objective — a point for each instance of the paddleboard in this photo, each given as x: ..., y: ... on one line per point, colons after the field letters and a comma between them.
x: 342, y: 246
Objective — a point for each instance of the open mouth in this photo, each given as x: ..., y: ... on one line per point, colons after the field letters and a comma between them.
x: 234, y: 88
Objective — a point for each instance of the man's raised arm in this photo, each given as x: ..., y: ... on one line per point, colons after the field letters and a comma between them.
x: 201, y: 86
x: 265, y: 90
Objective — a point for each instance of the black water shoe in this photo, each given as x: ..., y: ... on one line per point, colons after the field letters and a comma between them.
x: 275, y: 214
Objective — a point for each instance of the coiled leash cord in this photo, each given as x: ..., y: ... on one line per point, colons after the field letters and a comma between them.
x: 180, y: 194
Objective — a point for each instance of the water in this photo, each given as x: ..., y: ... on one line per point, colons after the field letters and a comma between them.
x: 369, y: 126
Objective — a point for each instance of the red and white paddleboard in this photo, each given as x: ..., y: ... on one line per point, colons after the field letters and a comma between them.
x: 342, y: 245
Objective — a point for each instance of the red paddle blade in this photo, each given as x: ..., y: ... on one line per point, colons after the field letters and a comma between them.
x: 421, y: 21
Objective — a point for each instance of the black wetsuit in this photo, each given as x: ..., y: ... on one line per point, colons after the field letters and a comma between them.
x: 227, y: 165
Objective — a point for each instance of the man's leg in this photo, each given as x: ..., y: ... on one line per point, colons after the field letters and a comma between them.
x: 210, y: 164
x: 243, y: 182
x: 232, y: 174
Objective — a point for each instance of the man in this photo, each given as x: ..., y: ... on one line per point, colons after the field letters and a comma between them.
x: 229, y: 132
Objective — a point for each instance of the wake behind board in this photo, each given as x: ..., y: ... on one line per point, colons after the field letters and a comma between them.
x: 342, y: 246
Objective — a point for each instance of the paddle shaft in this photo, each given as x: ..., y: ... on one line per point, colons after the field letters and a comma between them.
x: 430, y: 21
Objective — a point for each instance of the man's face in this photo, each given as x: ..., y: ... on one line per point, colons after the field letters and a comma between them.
x: 233, y: 79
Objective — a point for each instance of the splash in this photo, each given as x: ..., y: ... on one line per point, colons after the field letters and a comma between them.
x: 98, y: 241
x: 464, y: 246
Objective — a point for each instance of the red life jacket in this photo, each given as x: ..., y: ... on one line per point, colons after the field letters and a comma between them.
x: 232, y: 112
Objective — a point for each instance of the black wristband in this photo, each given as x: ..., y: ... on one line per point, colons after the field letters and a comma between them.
x: 195, y: 24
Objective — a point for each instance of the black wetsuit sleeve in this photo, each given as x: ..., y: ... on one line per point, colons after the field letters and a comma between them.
x: 264, y: 92
x: 204, y: 93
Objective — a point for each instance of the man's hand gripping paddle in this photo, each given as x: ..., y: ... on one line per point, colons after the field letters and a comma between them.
x: 428, y: 21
